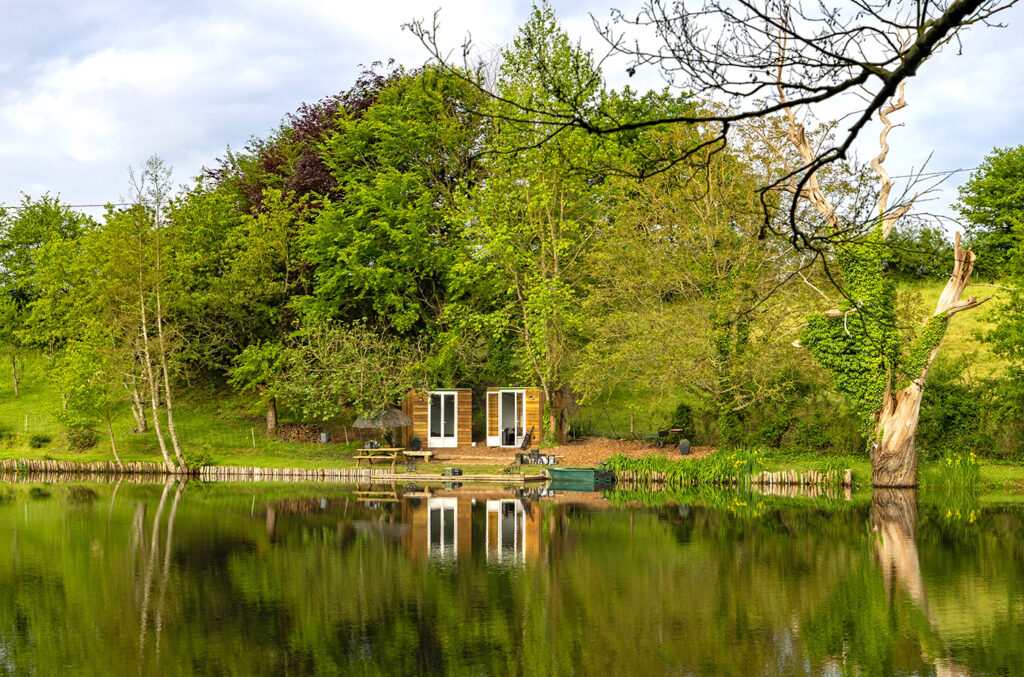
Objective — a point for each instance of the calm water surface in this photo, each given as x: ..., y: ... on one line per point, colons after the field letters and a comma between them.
x: 213, y: 579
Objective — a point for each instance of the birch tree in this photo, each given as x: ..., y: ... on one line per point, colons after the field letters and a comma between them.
x: 150, y: 188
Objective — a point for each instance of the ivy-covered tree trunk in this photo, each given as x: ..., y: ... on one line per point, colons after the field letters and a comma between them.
x: 893, y: 454
x: 858, y: 342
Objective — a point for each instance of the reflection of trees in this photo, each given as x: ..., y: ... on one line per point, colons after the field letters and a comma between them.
x: 894, y: 520
x: 732, y: 595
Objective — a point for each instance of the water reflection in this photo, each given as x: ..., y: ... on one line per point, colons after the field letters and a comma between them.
x: 204, y: 579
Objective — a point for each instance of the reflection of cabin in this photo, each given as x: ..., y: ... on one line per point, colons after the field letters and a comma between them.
x: 513, y: 530
x: 440, y: 418
x: 441, y: 526
x: 511, y: 413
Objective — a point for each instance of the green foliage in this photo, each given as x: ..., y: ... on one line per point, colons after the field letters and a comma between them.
x: 991, y: 203
x: 861, y: 345
x: 328, y: 365
x: 951, y: 409
x: 198, y: 458
x: 917, y: 251
x: 39, y: 440
x: 720, y: 467
x: 80, y: 437
x: 682, y: 418
x: 384, y: 248
x: 960, y: 470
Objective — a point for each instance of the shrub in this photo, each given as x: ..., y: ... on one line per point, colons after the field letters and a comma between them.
x: 6, y: 433
x: 39, y: 440
x: 198, y: 458
x: 682, y: 418
x: 80, y: 439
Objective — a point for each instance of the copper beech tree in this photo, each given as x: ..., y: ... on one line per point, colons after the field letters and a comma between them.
x: 858, y: 341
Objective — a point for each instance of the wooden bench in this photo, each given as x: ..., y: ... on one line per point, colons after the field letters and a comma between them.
x: 425, y: 455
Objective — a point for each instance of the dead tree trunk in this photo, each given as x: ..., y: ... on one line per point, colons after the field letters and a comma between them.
x: 893, y: 454
x: 892, y: 449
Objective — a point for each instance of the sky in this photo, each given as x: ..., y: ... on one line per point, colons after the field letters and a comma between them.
x: 90, y: 88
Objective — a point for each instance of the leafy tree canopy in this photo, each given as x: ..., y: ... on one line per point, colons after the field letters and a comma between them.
x: 991, y: 203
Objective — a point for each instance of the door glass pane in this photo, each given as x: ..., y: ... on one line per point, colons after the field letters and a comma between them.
x: 449, y: 527
x: 435, y: 526
x: 435, y: 415
x: 508, y: 418
x: 449, y: 415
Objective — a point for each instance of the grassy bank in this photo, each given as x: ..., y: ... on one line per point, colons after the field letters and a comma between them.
x: 215, y: 423
x: 651, y: 407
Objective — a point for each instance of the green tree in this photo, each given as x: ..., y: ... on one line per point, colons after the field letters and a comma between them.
x: 686, y: 298
x: 917, y: 251
x: 383, y: 248
x: 536, y: 211
x: 25, y: 232
x: 89, y: 374
x: 991, y: 204
x: 328, y: 365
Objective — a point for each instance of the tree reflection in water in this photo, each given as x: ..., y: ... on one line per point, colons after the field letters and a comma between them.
x: 321, y: 582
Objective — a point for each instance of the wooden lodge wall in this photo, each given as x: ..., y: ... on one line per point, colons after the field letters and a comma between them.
x: 534, y: 417
x: 416, y: 405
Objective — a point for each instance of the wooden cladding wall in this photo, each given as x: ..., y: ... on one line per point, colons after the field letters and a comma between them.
x: 492, y: 413
x: 464, y: 420
x: 416, y: 407
x: 534, y: 415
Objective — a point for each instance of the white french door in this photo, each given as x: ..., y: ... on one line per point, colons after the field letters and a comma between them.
x: 442, y: 421
x: 511, y: 417
x: 444, y: 527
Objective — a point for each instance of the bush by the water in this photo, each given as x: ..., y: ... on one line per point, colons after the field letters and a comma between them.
x: 960, y: 414
x: 198, y: 458
x: 80, y: 439
x: 39, y: 440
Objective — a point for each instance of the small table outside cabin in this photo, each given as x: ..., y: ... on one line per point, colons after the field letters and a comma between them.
x: 379, y: 454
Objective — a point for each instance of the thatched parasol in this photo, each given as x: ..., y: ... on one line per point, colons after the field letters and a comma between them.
x: 385, y: 418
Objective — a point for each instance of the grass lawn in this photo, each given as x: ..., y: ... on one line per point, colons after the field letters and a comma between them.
x: 216, y: 424
x: 961, y: 338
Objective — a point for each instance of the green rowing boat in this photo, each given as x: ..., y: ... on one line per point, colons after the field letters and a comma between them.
x: 580, y: 479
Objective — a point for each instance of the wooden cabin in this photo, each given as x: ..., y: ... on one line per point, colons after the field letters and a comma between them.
x: 440, y: 418
x: 511, y: 413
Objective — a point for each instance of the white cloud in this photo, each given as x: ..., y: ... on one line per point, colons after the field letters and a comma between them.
x: 91, y: 88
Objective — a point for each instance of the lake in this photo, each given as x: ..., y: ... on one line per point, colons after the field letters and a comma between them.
x: 261, y: 579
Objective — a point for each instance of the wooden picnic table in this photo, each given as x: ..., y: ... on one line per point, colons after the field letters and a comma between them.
x: 379, y: 454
